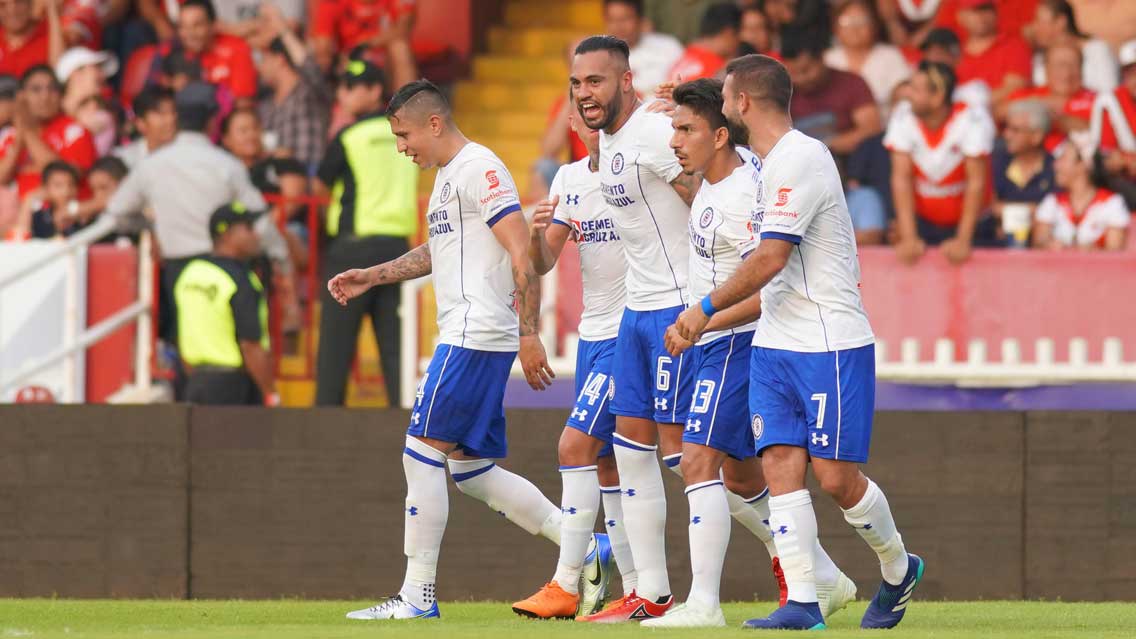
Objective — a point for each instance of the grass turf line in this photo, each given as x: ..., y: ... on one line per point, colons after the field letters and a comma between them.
x: 294, y: 619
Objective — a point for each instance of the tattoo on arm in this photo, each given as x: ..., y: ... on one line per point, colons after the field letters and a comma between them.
x: 687, y: 186
x: 412, y: 264
x: 528, y: 296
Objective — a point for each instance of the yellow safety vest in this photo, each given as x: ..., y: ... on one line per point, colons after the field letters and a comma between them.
x: 207, y: 331
x: 381, y: 184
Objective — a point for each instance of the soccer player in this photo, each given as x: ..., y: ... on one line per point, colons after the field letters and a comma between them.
x: 812, y: 369
x: 576, y: 210
x: 719, y: 458
x: 459, y: 412
x: 643, y: 184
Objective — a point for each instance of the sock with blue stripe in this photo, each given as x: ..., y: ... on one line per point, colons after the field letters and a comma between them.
x: 579, y: 503
x: 673, y: 463
x: 871, y: 517
x: 617, y: 535
x: 427, y: 509
x: 753, y: 514
x: 509, y: 494
x: 794, y: 527
x: 645, y: 511
x: 709, y: 536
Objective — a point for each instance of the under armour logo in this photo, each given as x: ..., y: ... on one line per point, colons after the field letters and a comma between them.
x: 581, y: 415
x: 630, y: 492
x: 610, y: 523
x: 571, y: 510
x: 693, y: 425
x: 413, y: 510
x: 572, y: 199
x: 660, y: 403
x: 820, y: 439
x: 864, y: 527
x: 696, y: 520
x: 415, y: 417
x: 783, y: 530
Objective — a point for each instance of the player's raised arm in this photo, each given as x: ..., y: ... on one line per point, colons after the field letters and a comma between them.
x: 353, y: 283
x: 546, y: 237
x: 512, y: 232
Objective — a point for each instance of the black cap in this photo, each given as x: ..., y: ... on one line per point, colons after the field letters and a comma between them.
x: 9, y: 86
x: 361, y: 72
x: 228, y: 215
x: 941, y: 37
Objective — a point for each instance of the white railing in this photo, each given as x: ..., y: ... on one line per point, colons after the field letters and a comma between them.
x: 75, y: 341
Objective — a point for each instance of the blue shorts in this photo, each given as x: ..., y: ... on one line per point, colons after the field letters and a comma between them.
x: 719, y: 412
x: 594, y: 388
x: 649, y: 383
x: 822, y: 402
x: 461, y: 399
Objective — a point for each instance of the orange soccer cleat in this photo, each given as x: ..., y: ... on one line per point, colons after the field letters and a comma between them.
x: 550, y: 602
x: 630, y: 608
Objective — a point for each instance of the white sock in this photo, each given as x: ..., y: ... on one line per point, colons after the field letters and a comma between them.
x: 673, y: 463
x: 645, y: 511
x: 753, y: 514
x: 509, y: 494
x: 872, y: 519
x: 709, y: 536
x: 579, y: 503
x: 426, y: 512
x: 824, y: 568
x: 794, y: 527
x: 617, y: 535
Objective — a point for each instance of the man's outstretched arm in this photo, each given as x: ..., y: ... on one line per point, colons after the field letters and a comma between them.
x: 353, y: 283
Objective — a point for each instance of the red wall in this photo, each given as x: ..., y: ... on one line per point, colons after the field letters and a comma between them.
x: 112, y: 284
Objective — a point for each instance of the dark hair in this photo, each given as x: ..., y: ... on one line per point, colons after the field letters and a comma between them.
x: 178, y: 63
x: 763, y: 79
x: 37, y: 69
x: 112, y: 166
x: 204, y: 5
x: 151, y: 99
x: 796, y: 42
x: 718, y: 18
x: 227, y: 121
x: 611, y: 44
x: 59, y: 166
x: 420, y: 91
x: 940, y: 74
x: 704, y: 98
x: 277, y: 47
x: 1063, y: 9
x: 637, y: 5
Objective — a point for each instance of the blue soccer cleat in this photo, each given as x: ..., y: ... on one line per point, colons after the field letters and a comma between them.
x: 792, y: 616
x: 395, y: 608
x: 890, y: 602
x: 595, y: 576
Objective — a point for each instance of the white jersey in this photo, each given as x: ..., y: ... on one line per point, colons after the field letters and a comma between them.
x: 722, y: 233
x: 813, y: 305
x: 1106, y: 211
x: 472, y: 272
x: 637, y: 166
x: 602, y: 263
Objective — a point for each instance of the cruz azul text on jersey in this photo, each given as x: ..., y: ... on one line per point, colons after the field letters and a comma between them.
x: 595, y: 231
x: 439, y: 221
x: 615, y: 195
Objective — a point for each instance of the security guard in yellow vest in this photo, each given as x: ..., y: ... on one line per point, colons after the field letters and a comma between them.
x: 223, y: 317
x: 373, y: 213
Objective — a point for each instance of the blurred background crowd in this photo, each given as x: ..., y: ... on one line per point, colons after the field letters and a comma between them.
x: 957, y: 123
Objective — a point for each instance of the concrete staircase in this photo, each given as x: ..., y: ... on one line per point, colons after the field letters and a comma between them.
x: 503, y: 105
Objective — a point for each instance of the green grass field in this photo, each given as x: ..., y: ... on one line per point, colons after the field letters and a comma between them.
x: 324, y: 619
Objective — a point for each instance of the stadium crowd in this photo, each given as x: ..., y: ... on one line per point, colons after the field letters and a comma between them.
x: 957, y: 123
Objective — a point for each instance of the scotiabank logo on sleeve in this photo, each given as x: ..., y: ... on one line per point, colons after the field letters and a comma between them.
x: 783, y: 196
x: 491, y: 177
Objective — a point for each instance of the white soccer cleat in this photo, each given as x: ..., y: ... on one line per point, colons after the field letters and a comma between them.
x: 394, y: 608
x: 595, y: 575
x: 834, y: 597
x: 688, y: 615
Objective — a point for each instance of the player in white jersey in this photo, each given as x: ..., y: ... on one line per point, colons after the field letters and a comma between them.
x: 575, y: 210
x: 812, y: 370
x: 719, y: 459
x: 644, y: 186
x: 477, y: 255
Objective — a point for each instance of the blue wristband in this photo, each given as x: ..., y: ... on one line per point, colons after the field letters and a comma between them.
x: 707, y: 307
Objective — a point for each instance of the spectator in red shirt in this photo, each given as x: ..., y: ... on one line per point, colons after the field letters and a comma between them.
x: 1056, y: 24
x: 1001, y: 61
x: 1113, y: 127
x: 718, y: 41
x: 1070, y: 104
x: 225, y: 60
x: 26, y: 41
x: 375, y: 26
x: 43, y: 133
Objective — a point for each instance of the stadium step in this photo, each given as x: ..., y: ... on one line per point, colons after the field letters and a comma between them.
x: 579, y: 14
x: 536, y: 41
x: 520, y: 70
x: 488, y: 97
x: 497, y: 124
